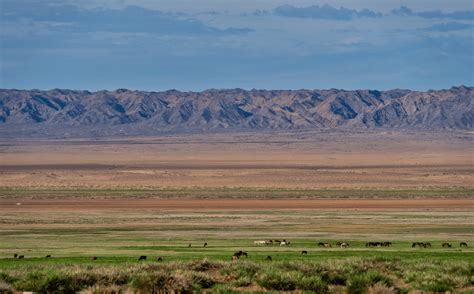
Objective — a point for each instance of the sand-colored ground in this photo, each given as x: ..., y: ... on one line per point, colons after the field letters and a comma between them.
x: 233, y: 204
x: 295, y: 161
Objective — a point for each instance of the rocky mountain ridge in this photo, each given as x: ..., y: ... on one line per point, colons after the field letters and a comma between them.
x: 236, y: 109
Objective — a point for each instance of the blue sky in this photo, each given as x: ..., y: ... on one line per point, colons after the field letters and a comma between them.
x: 196, y: 45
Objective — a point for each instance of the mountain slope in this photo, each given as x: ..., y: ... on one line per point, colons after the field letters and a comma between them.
x: 235, y: 109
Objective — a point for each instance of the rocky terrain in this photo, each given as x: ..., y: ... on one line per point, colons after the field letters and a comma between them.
x: 83, y: 113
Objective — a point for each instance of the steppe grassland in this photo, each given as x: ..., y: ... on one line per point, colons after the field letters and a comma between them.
x: 119, y: 237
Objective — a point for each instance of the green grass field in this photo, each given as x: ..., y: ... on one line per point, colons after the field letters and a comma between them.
x: 201, y: 270
x: 118, y: 237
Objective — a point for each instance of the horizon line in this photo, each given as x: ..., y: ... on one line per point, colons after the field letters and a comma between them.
x: 226, y: 89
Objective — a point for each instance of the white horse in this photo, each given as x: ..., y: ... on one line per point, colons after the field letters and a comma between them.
x: 260, y: 243
x: 284, y: 243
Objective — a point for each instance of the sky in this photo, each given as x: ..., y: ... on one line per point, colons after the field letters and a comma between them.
x: 193, y: 45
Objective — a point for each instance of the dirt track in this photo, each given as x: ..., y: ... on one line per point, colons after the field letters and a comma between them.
x: 235, y: 204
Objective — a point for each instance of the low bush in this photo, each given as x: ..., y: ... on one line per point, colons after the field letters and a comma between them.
x: 376, y: 277
x: 204, y: 265
x: 149, y: 283
x: 381, y: 288
x: 5, y: 288
x: 48, y: 282
x: 179, y: 283
x: 204, y: 281
x: 336, y: 279
x: 313, y: 283
x: 248, y: 269
x: 358, y: 284
x: 6, y: 278
x: 223, y: 289
x: 440, y: 286
x: 276, y: 280
x: 243, y: 281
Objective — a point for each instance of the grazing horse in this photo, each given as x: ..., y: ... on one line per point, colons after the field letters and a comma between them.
x: 143, y: 257
x: 344, y: 245
x: 378, y: 244
x: 48, y: 256
x: 285, y: 243
x: 421, y: 244
x: 189, y: 245
x: 304, y: 252
x: 159, y: 259
x: 325, y: 245
x: 446, y: 245
x: 94, y: 258
x: 238, y: 253
x: 21, y: 257
x: 463, y: 244
x: 15, y: 255
x: 269, y: 258
x: 260, y: 243
x: 205, y: 244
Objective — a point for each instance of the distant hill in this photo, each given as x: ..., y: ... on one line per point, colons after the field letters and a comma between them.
x: 59, y: 111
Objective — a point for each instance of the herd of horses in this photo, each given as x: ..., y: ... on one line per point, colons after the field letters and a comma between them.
x: 346, y: 244
x: 238, y: 254
x: 428, y: 245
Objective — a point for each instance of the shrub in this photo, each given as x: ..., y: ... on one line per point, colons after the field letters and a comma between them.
x: 438, y: 286
x: 48, y: 283
x: 248, y: 269
x: 5, y: 288
x: 178, y: 284
x: 313, y: 283
x: 403, y: 290
x: 109, y: 289
x: 86, y: 279
x: 276, y: 280
x: 381, y: 288
x: 336, y: 279
x: 376, y: 277
x: 203, y: 265
x: 6, y: 278
x: 149, y: 283
x: 358, y: 284
x: 243, y: 282
x: 410, y: 277
x: 223, y: 289
x: 59, y: 283
x: 203, y: 280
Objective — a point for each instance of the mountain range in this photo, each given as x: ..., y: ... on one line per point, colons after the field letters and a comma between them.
x: 59, y: 111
